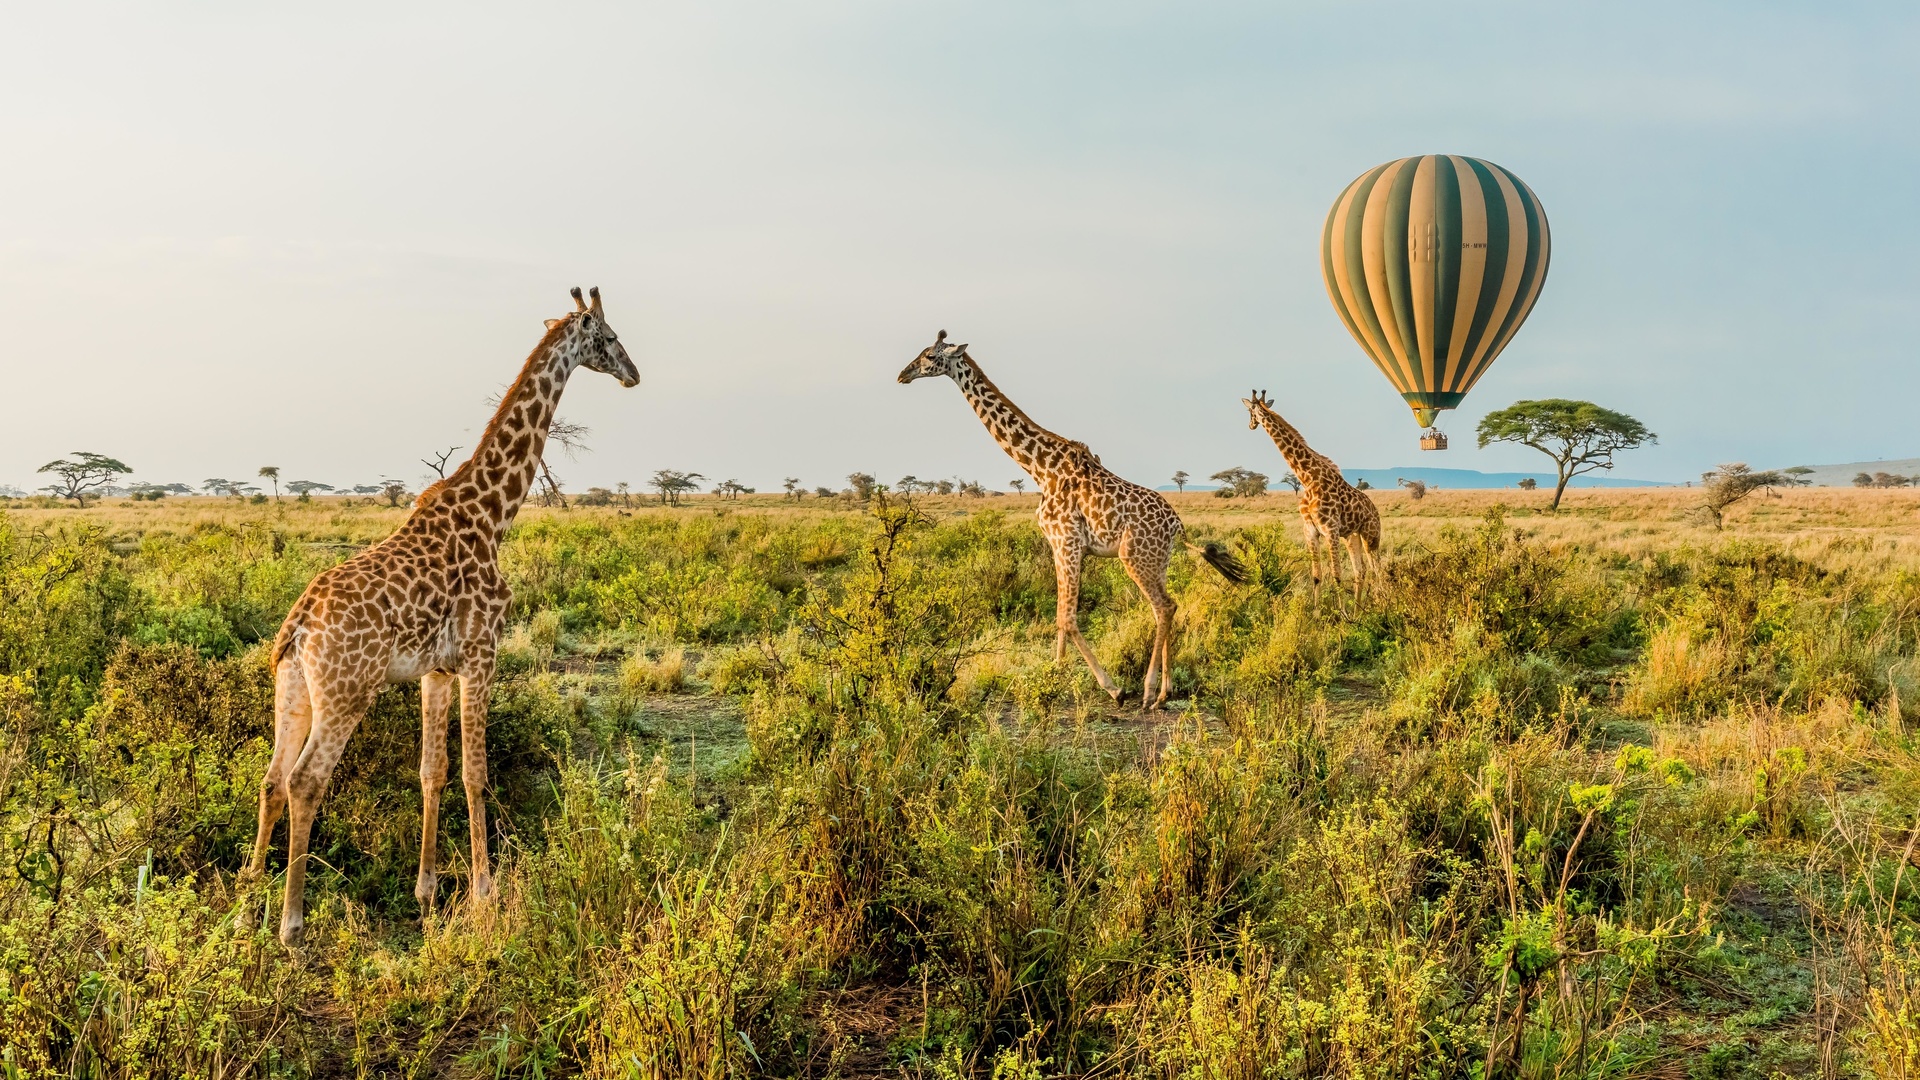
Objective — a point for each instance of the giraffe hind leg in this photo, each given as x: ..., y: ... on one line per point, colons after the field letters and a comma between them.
x: 336, y: 712
x: 292, y: 720
x: 436, y: 697
x: 1152, y: 582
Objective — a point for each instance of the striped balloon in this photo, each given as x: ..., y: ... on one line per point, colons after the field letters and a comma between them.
x: 1433, y: 262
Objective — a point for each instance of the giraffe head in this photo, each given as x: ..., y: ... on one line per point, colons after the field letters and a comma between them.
x: 939, y: 358
x: 1256, y: 404
x: 598, y: 347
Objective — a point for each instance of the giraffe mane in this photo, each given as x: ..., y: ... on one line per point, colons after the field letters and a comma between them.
x: 547, y: 341
x: 980, y: 374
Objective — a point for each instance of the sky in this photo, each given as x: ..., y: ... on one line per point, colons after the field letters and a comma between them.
x: 321, y: 237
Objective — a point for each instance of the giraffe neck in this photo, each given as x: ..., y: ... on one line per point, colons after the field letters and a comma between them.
x: 1301, y: 458
x: 496, y: 479
x: 1023, y: 440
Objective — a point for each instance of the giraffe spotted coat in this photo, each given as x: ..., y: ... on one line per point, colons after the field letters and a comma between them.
x: 426, y: 603
x: 1330, y: 508
x: 1084, y: 510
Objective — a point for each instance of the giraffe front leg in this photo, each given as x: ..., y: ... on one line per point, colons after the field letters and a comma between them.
x: 476, y: 683
x: 1067, y: 558
x: 436, y: 698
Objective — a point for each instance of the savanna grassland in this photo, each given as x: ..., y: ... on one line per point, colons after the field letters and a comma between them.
x: 797, y: 790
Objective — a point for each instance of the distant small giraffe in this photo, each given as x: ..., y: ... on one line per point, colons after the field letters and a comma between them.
x: 426, y: 603
x: 1329, y: 506
x: 1084, y: 510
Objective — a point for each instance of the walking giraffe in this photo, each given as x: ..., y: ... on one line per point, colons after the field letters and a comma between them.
x: 426, y: 603
x: 1329, y: 506
x: 1084, y: 510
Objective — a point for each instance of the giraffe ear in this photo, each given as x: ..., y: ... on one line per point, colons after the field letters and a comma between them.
x: 551, y: 323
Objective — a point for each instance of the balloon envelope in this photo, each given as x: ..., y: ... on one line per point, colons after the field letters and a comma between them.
x: 1433, y: 262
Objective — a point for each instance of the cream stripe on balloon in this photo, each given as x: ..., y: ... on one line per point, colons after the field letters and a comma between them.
x: 1473, y: 270
x: 1373, y: 249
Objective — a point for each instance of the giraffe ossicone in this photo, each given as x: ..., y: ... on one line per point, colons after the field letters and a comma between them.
x: 427, y: 604
x: 1330, y: 508
x: 1085, y: 509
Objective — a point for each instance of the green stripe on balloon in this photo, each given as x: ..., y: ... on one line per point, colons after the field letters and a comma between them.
x: 1446, y: 271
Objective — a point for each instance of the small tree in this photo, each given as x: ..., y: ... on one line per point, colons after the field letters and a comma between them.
x: 944, y: 487
x: 1799, y: 473
x: 1528, y: 483
x: 862, y: 485
x: 272, y: 473
x: 597, y: 496
x: 1018, y: 485
x: 731, y: 489
x: 1291, y: 481
x: 1578, y: 435
x: 438, y: 462
x: 83, y: 474
x: 1362, y: 485
x: 304, y: 489
x: 824, y: 492
x: 1889, y: 480
x: 794, y: 490
x: 1732, y: 482
x: 394, y: 492
x: 1862, y: 480
x: 1180, y: 480
x: 1416, y: 489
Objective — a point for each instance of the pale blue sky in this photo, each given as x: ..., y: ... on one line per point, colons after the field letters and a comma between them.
x: 321, y: 237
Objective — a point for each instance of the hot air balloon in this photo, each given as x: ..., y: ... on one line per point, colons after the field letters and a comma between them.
x: 1433, y: 262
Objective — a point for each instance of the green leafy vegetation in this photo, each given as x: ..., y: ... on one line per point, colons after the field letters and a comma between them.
x: 788, y: 789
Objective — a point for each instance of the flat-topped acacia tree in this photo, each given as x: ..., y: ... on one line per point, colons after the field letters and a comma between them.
x: 1578, y: 435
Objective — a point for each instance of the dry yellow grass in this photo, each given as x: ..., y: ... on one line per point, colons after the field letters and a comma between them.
x: 1870, y: 527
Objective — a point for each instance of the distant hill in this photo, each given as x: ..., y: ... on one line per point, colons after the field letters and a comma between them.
x: 1842, y: 475
x: 1473, y: 479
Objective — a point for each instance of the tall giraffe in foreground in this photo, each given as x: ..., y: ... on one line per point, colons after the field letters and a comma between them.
x: 1329, y: 506
x: 1084, y: 510
x: 426, y: 603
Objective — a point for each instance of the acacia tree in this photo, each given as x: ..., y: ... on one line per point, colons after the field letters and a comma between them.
x: 304, y: 489
x: 672, y: 483
x: 1291, y: 481
x: 83, y: 474
x: 1018, y: 485
x: 794, y: 490
x: 1180, y: 480
x: 1240, y: 483
x: 1578, y: 435
x: 272, y: 473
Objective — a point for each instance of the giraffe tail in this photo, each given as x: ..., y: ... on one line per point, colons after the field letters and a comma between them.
x: 296, y: 621
x: 1216, y: 556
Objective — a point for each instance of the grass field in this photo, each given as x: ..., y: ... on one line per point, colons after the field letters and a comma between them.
x: 796, y: 789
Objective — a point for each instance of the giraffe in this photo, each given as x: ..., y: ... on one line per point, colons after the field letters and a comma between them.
x: 1329, y: 506
x: 426, y: 603
x: 1084, y: 510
